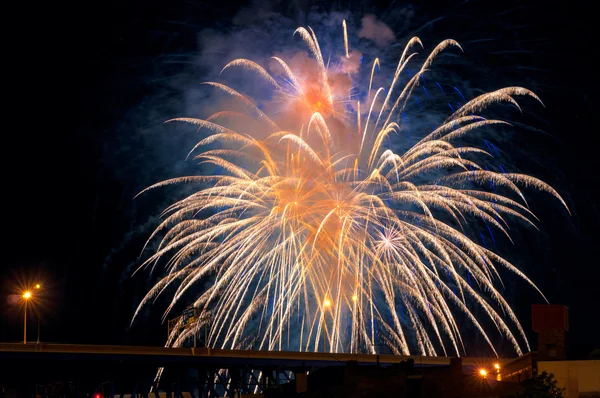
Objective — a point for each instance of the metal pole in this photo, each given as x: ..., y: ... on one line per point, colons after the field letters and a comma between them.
x: 25, y: 324
x: 360, y: 325
x: 357, y: 350
x: 324, y: 333
x: 38, y: 316
x: 359, y: 333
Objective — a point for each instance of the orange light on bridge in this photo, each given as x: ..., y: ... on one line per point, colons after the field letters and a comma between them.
x: 483, y: 372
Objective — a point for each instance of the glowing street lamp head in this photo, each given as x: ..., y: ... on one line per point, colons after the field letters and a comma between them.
x: 27, y: 295
x: 497, y: 366
x: 483, y: 372
x: 326, y: 303
x: 37, y: 286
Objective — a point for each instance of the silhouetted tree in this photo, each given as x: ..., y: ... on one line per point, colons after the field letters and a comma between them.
x: 541, y: 386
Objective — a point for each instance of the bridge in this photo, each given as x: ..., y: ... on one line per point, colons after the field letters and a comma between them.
x: 162, y: 356
x: 110, y: 370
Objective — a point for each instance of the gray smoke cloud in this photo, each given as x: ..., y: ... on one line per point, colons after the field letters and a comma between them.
x: 376, y: 30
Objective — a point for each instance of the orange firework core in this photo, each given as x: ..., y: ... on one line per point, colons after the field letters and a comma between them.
x: 316, y: 101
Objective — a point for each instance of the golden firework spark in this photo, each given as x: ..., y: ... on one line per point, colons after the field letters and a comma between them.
x: 316, y: 235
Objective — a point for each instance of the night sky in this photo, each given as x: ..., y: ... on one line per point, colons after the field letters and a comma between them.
x: 89, y: 85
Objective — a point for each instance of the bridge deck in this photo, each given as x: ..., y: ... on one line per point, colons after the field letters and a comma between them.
x: 52, y: 351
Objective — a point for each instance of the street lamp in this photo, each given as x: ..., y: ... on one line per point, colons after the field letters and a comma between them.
x: 326, y: 304
x: 483, y: 373
x: 498, y: 375
x: 38, y: 287
x: 355, y: 300
x: 26, y: 297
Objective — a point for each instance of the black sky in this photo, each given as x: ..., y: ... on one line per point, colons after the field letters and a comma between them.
x: 80, y: 76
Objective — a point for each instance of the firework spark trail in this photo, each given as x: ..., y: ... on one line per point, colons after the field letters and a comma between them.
x: 304, y: 232
x: 345, y: 38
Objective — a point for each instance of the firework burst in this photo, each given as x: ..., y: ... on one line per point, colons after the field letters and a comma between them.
x: 315, y: 236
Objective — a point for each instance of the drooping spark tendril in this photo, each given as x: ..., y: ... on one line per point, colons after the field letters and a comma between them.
x: 316, y: 237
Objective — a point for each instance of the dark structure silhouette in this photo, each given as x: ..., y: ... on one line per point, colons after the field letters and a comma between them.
x: 551, y: 323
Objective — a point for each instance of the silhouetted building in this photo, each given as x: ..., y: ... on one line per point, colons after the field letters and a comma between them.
x: 399, y: 381
x: 551, y: 323
x: 578, y: 378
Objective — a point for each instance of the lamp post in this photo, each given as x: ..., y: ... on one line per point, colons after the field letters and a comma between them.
x: 38, y: 287
x: 498, y: 375
x: 26, y: 296
x: 326, y: 304
x: 355, y: 300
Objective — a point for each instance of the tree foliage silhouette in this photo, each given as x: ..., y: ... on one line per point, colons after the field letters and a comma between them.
x: 543, y: 385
